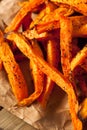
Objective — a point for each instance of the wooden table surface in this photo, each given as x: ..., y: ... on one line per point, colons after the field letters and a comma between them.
x: 11, y: 122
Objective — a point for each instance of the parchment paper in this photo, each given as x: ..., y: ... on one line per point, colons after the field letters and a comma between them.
x: 56, y: 116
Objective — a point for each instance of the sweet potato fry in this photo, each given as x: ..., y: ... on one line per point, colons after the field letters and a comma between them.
x: 66, y: 48
x: 53, y: 73
x: 15, y: 75
x: 53, y: 58
x: 79, y: 58
x: 28, y: 7
x: 66, y: 44
x: 38, y: 77
x: 75, y: 50
x: 48, y: 26
x: 78, y: 5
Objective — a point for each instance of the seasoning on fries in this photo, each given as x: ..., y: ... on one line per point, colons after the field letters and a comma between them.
x: 13, y: 70
x: 57, y: 27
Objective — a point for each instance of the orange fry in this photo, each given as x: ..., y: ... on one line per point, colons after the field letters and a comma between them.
x: 38, y: 77
x: 66, y: 44
x: 79, y: 58
x: 66, y: 47
x: 15, y: 75
x: 28, y: 7
x: 52, y: 72
x: 53, y: 59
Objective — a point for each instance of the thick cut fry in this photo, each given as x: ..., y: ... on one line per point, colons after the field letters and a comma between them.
x: 78, y: 5
x: 79, y: 58
x: 28, y: 7
x: 50, y: 7
x: 66, y: 44
x: 48, y: 26
x: 53, y: 58
x: 66, y: 48
x: 38, y: 77
x: 15, y: 75
x: 53, y: 73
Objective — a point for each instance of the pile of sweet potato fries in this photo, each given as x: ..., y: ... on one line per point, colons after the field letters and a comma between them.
x: 55, y: 43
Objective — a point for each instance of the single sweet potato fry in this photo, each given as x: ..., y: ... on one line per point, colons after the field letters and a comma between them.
x: 13, y: 71
x: 53, y: 58
x: 66, y: 44
x: 79, y: 58
x: 66, y: 29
